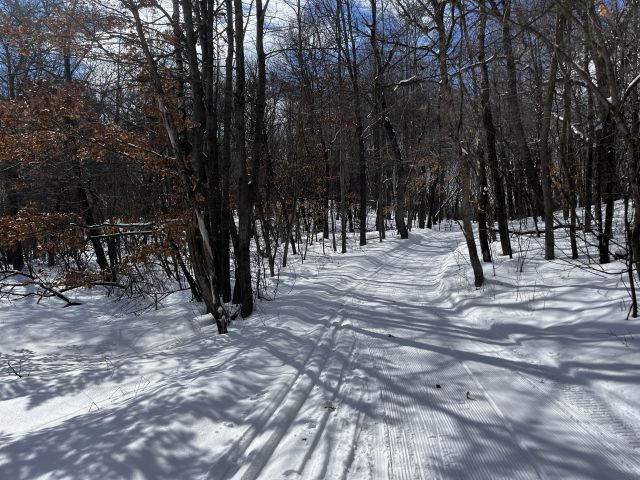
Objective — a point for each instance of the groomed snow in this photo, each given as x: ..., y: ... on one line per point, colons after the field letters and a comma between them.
x: 359, y: 369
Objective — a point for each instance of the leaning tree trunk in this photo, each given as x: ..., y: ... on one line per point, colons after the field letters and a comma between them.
x: 189, y: 166
x: 201, y: 139
x: 467, y: 228
x: 446, y: 95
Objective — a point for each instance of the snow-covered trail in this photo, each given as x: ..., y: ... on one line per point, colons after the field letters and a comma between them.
x: 383, y: 394
x: 359, y: 370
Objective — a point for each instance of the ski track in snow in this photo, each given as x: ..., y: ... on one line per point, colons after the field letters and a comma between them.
x: 402, y: 426
x: 252, y: 452
x: 376, y: 390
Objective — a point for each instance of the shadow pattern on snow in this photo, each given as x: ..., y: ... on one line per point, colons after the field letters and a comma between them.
x: 226, y: 385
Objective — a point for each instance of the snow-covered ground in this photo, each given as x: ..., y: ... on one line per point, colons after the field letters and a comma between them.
x: 384, y: 363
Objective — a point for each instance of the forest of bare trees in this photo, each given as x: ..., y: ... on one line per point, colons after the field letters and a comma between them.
x: 149, y: 146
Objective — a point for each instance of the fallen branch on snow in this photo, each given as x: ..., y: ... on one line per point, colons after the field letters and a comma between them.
x: 8, y: 288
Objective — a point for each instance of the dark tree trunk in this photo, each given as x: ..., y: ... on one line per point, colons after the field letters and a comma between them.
x: 225, y: 211
x: 351, y: 62
x: 433, y: 186
x: 588, y: 169
x: 467, y: 227
x: 243, y: 292
x: 94, y: 231
x: 383, y: 112
x: 606, y: 157
x: 545, y: 149
x: 515, y: 116
x: 490, y: 142
x: 568, y: 163
x: 483, y: 208
x: 15, y: 255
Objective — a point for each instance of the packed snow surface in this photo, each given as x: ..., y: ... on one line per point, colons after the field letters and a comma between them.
x: 384, y: 363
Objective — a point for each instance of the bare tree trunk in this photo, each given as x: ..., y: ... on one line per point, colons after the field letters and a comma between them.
x: 351, y: 62
x: 189, y: 165
x: 225, y: 167
x: 515, y: 117
x: 341, y: 166
x: 382, y: 111
x: 630, y: 253
x: 567, y: 162
x: 243, y: 293
x: 467, y: 228
x: 15, y: 255
x: 490, y: 141
x: 483, y: 208
x: 545, y: 149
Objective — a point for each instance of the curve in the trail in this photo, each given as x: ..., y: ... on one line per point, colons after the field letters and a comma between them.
x: 509, y: 427
x: 398, y: 388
